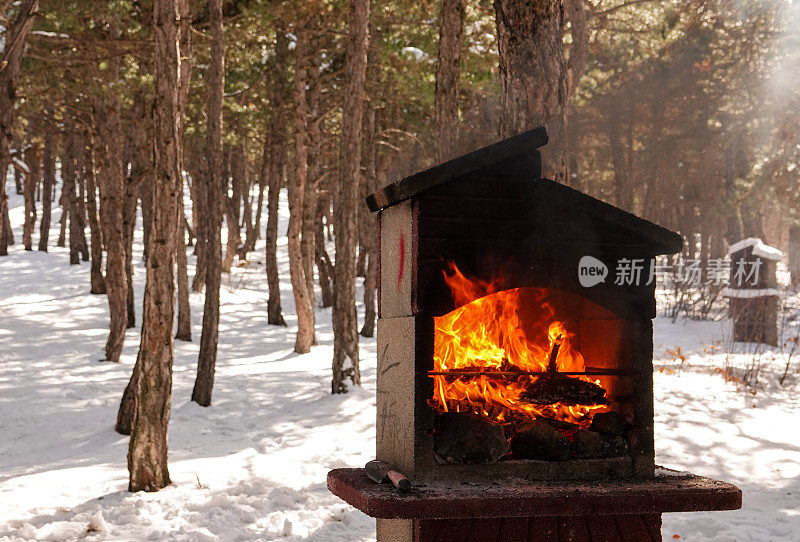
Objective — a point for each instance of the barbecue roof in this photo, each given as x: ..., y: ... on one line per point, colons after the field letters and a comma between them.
x: 407, y: 188
x: 512, y: 149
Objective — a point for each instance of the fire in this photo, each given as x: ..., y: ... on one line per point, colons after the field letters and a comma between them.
x: 487, y: 334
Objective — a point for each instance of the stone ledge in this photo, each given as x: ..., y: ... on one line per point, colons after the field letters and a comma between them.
x: 668, y: 491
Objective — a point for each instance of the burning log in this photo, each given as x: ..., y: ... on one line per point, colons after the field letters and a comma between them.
x: 551, y: 388
x: 554, y: 387
x: 493, y: 412
x: 506, y: 370
x: 465, y: 439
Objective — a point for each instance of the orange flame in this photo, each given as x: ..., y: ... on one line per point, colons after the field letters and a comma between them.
x: 486, y: 333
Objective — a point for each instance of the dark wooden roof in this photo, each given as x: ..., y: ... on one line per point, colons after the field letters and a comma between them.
x: 664, y: 241
x: 457, y: 167
x: 497, y: 157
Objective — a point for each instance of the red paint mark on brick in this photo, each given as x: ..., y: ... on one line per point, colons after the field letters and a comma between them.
x: 402, y: 260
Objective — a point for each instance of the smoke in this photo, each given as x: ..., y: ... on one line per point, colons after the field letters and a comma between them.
x: 784, y: 71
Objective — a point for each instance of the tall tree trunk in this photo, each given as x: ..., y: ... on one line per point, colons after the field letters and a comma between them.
x: 793, y: 253
x: 623, y: 193
x: 18, y: 181
x: 236, y: 186
x: 146, y: 197
x: 262, y: 187
x: 533, y: 74
x: 241, y: 177
x: 112, y: 192
x: 370, y: 228
x: 70, y: 195
x: 734, y: 168
x: 184, y: 330
x: 200, y: 176
x: 63, y: 202
x: 310, y: 194
x: 33, y: 159
x: 48, y: 180
x: 303, y: 304
x: 6, y: 232
x: 249, y: 217
x: 147, y: 451
x: 80, y: 201
x: 129, y: 229
x: 361, y: 258
x: 577, y: 15
x: 138, y: 183
x: 15, y: 35
x: 704, y: 249
x: 277, y: 165
x: 345, y: 321
x: 141, y: 164
x: 97, y: 280
x: 307, y: 238
x: 195, y: 167
x: 232, y: 222
x: 322, y: 259
x: 753, y: 219
x: 324, y: 265
x: 213, y: 184
x: 77, y: 239
x: 448, y: 69
x: 192, y: 197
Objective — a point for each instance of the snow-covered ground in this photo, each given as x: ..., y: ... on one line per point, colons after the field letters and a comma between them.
x: 253, y: 465
x: 719, y: 429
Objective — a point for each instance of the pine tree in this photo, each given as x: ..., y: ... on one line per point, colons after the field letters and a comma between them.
x: 533, y: 73
x: 297, y: 192
x: 48, y: 179
x: 214, y: 184
x: 147, y: 451
x: 10, y: 62
x: 345, y: 322
x: 448, y: 70
x: 275, y: 171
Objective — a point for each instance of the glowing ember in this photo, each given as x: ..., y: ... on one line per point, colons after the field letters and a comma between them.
x: 511, y: 332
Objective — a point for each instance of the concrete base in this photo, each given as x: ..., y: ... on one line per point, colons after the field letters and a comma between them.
x: 633, y: 527
x: 394, y: 530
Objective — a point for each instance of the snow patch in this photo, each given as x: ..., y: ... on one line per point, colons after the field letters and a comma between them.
x: 49, y: 34
x: 97, y: 524
x: 749, y: 294
x: 760, y: 249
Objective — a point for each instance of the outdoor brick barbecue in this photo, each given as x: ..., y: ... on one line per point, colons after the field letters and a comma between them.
x: 515, y: 350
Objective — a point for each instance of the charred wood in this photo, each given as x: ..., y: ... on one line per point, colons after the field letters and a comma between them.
x: 465, y: 439
x: 552, y: 388
x: 609, y: 423
x: 538, y: 439
x: 593, y: 445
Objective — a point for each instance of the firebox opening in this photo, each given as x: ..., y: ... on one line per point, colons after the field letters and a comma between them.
x: 510, y: 380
